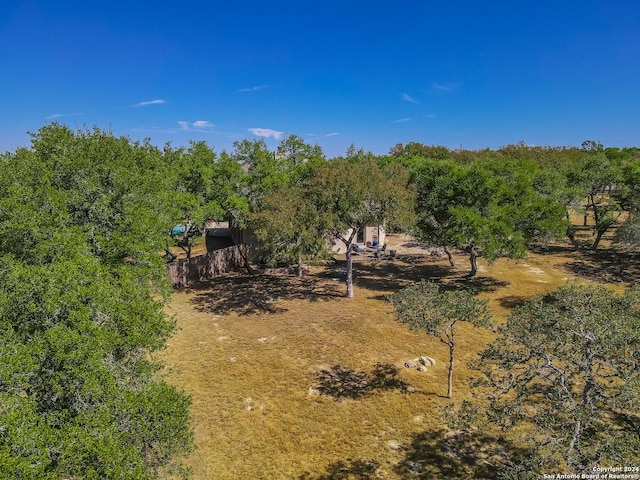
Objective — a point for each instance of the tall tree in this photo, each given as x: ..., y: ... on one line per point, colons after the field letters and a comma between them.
x: 629, y: 233
x: 82, y: 219
x: 595, y: 176
x: 627, y: 190
x: 228, y: 187
x: 288, y: 227
x: 424, y: 307
x: 489, y: 209
x: 627, y: 193
x: 296, y: 151
x: 349, y: 195
x: 265, y: 170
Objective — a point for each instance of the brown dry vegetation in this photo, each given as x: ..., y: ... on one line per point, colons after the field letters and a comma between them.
x: 251, y: 350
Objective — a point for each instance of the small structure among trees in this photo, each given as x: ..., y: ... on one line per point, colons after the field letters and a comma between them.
x: 370, y: 235
x: 336, y: 203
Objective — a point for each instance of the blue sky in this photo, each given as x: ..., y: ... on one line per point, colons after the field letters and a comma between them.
x: 372, y: 74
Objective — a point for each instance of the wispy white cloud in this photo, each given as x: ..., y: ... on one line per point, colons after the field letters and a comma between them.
x: 402, y: 120
x: 408, y: 98
x: 266, y: 132
x: 199, y: 124
x: 315, y: 135
x: 172, y: 131
x: 151, y: 102
x: 61, y: 115
x: 445, y: 87
x: 253, y: 89
x: 202, y: 124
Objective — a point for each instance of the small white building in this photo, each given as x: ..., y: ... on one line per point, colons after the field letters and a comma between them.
x: 371, y: 235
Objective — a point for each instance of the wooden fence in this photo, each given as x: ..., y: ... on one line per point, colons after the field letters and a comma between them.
x: 185, y: 272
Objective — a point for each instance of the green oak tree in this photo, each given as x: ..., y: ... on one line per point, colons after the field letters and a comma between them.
x: 484, y: 208
x: 629, y: 233
x: 627, y: 192
x: 349, y: 195
x: 83, y: 216
x: 291, y: 163
x: 423, y: 306
x: 565, y: 369
x: 204, y: 186
x: 594, y: 176
x: 297, y: 152
x: 288, y: 227
x: 265, y: 170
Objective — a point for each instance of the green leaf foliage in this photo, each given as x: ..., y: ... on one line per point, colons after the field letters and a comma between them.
x: 288, y: 227
x: 566, y: 371
x: 82, y: 219
x: 348, y: 195
x: 351, y: 194
x: 488, y: 208
x: 423, y: 306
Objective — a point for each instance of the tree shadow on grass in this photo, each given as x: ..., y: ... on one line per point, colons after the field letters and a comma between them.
x: 553, y: 249
x: 512, y: 301
x: 462, y: 455
x: 440, y: 454
x: 475, y: 285
x: 347, y: 470
x: 607, y: 266
x: 385, y: 275
x: 246, y: 294
x: 344, y: 383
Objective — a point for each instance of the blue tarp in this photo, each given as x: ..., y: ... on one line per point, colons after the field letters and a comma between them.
x: 178, y: 230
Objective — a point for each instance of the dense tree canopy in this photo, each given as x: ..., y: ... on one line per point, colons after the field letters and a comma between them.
x: 593, y: 177
x: 349, y: 195
x: 83, y: 216
x: 332, y: 201
x: 627, y: 192
x: 488, y: 208
x: 566, y: 371
x: 288, y: 227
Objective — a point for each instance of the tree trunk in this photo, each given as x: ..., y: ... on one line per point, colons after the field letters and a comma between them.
x: 300, y: 269
x: 594, y: 206
x: 349, y: 279
x: 596, y: 242
x: 577, y: 430
x: 571, y: 235
x: 449, y: 256
x: 450, y: 385
x: 473, y: 260
x: 169, y: 254
x: 245, y: 258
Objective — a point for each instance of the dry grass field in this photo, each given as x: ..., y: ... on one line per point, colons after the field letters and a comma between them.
x: 251, y: 352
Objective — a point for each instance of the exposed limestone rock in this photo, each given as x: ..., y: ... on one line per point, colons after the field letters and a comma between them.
x: 427, y: 361
x: 410, y: 364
